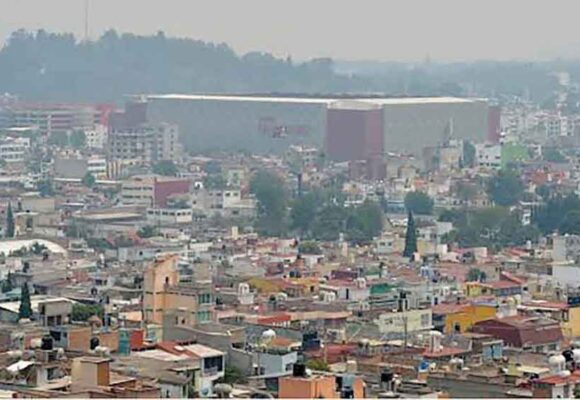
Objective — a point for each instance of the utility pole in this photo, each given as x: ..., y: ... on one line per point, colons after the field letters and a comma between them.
x: 405, y: 332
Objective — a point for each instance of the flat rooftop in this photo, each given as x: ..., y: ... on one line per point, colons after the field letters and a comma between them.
x: 313, y: 100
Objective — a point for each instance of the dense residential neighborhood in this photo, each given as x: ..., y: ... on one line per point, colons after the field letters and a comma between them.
x: 222, y: 226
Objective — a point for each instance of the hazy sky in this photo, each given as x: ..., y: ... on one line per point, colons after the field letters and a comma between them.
x: 345, y: 29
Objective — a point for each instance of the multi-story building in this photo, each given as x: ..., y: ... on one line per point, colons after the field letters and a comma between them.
x: 169, y: 216
x: 14, y: 150
x: 96, y: 138
x: 488, y: 155
x: 145, y: 143
x: 152, y: 190
x: 97, y: 166
x: 226, y: 202
x: 49, y: 118
x: 190, y: 302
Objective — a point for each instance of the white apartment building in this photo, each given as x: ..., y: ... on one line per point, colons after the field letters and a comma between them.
x: 97, y: 166
x: 488, y: 155
x: 96, y: 138
x: 14, y: 150
x: 169, y: 216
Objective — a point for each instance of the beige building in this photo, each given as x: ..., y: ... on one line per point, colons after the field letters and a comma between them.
x: 190, y: 302
x: 396, y: 324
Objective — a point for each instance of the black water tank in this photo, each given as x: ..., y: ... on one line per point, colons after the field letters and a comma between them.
x: 386, y: 376
x: 299, y: 370
x: 94, y: 342
x: 46, y: 343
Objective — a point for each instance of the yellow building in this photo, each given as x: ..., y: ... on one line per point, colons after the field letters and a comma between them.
x: 191, y: 302
x: 461, y: 318
x: 477, y: 289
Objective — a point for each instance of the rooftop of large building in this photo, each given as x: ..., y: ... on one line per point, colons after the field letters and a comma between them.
x: 305, y: 99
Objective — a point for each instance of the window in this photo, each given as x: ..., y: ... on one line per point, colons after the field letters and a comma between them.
x: 203, y: 316
x: 204, y: 298
x: 213, y: 364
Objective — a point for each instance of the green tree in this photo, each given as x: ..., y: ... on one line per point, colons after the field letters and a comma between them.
x: 25, y: 309
x: 570, y: 223
x: 506, y: 188
x: 410, y: 237
x: 317, y: 364
x: 82, y: 312
x: 365, y: 222
x: 59, y: 139
x: 272, y: 205
x: 77, y: 139
x: 329, y: 223
x: 147, y: 231
x: 309, y: 248
x: 166, y: 168
x: 553, y: 214
x: 475, y: 275
x: 466, y: 191
x: 544, y: 191
x: 45, y: 188
x: 88, y: 180
x: 303, y: 212
x: 418, y: 203
x: 10, y: 227
x: 38, y: 248
x: 468, y: 154
x: 553, y: 155
x: 233, y: 375
x: 6, y: 285
x: 214, y: 181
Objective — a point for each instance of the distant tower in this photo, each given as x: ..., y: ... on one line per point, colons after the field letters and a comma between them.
x: 448, y: 131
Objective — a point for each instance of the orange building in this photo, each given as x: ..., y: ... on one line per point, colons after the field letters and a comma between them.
x: 302, y: 386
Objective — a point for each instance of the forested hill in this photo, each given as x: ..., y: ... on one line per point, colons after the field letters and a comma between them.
x: 59, y: 67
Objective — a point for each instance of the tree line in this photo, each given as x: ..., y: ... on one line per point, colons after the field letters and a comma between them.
x: 58, y: 67
x: 317, y: 214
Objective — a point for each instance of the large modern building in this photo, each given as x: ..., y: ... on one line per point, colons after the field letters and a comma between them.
x: 353, y: 128
x: 51, y: 118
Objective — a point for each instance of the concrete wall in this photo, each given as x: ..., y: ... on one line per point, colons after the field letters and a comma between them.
x: 411, y: 127
x: 233, y: 125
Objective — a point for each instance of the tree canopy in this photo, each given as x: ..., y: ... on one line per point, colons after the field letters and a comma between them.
x: 418, y: 203
x: 58, y: 67
x: 25, y: 308
x: 476, y: 275
x: 558, y: 213
x: 505, y: 188
x: 88, y: 180
x: 272, y: 203
x: 410, y: 237
x: 166, y: 168
x: 10, y: 227
x: 82, y: 312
